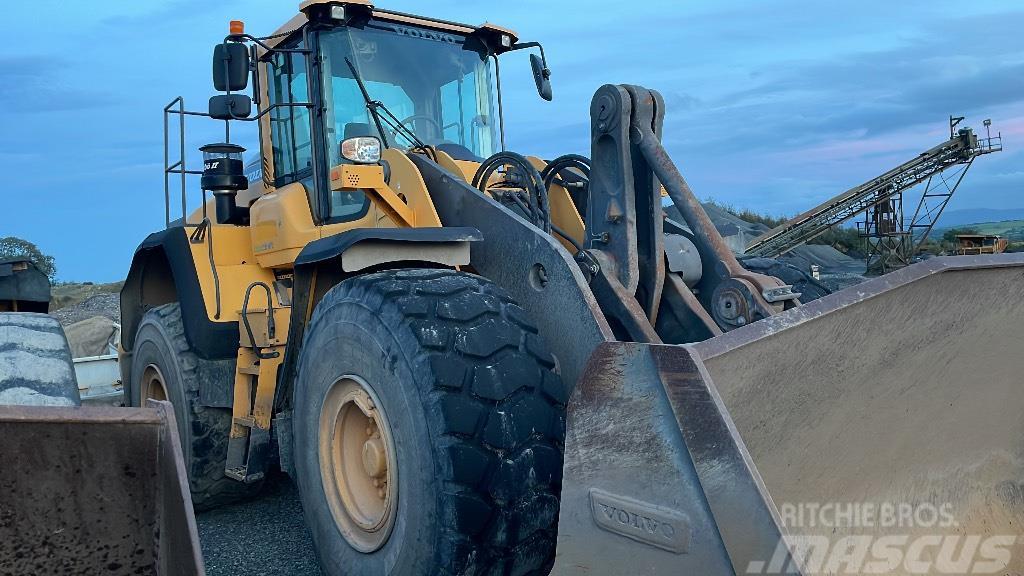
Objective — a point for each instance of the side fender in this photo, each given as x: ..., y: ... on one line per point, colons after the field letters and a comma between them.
x: 326, y: 262
x: 163, y: 271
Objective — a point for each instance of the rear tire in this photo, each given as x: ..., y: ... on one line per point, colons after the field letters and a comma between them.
x: 470, y: 413
x: 164, y: 367
x: 35, y: 362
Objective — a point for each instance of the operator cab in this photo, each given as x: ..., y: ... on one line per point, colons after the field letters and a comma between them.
x: 409, y: 82
x: 340, y: 83
x: 439, y: 86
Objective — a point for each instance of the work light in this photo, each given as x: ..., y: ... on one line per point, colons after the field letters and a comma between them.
x: 361, y: 149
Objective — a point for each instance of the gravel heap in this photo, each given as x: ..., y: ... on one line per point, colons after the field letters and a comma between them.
x: 108, y: 305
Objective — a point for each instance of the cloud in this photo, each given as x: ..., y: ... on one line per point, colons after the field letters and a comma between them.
x: 770, y: 105
x: 166, y: 13
x: 31, y: 84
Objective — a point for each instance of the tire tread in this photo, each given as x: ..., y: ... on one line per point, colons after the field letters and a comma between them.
x: 498, y: 406
x: 208, y: 428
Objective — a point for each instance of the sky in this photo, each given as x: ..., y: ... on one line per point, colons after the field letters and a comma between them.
x: 773, y: 106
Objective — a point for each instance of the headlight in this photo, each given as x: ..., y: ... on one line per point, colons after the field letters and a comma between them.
x: 361, y: 150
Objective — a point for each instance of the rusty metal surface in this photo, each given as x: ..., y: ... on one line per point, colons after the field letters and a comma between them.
x: 619, y: 305
x: 655, y: 480
x: 724, y: 282
x: 611, y: 224
x: 905, y: 390
x: 94, y: 491
x: 650, y: 217
x: 682, y: 318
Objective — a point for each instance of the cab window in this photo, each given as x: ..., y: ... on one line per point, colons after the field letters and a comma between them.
x: 289, y: 125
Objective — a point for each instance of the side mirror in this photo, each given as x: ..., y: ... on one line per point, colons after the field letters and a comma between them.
x: 542, y: 76
x: 230, y: 106
x: 230, y: 67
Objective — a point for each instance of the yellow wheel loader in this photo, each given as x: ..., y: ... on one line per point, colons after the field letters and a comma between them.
x: 477, y: 362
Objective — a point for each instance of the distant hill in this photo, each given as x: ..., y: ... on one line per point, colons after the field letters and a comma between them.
x: 68, y: 294
x: 1012, y: 230
x: 964, y: 216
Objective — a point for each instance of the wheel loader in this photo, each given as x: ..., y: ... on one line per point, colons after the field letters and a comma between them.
x: 93, y: 490
x: 473, y: 361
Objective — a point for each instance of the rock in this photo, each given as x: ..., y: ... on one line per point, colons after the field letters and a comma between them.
x: 91, y: 337
x: 107, y: 305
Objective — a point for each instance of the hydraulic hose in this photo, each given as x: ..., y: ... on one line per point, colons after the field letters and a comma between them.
x: 536, y: 208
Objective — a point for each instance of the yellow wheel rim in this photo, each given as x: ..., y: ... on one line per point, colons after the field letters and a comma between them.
x: 357, y: 464
x: 153, y: 385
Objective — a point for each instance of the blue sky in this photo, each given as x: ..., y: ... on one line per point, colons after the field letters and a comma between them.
x: 771, y: 105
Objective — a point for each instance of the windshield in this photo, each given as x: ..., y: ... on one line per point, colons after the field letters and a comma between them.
x: 437, y: 84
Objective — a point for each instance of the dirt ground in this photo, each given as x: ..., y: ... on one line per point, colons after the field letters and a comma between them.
x: 263, y: 537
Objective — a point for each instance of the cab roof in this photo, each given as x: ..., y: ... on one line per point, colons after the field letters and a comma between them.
x: 387, y: 16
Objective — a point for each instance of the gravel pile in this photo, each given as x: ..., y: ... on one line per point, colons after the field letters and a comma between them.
x: 108, y: 305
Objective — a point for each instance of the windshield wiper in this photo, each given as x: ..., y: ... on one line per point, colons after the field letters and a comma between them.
x: 381, y: 114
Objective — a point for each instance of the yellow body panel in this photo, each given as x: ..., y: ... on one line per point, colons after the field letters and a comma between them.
x: 463, y: 168
x: 409, y: 186
x: 370, y: 179
x: 281, y: 225
x: 563, y: 212
x: 236, y: 270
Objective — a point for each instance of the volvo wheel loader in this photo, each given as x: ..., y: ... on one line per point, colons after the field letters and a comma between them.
x: 473, y: 361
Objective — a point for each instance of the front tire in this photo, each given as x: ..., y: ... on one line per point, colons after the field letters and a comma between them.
x: 164, y: 367
x: 35, y: 362
x: 454, y: 420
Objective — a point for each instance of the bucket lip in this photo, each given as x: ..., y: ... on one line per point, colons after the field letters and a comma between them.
x: 81, y: 415
x: 857, y: 293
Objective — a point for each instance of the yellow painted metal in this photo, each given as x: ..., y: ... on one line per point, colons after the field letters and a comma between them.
x: 408, y: 185
x: 281, y: 225
x: 463, y: 168
x: 357, y: 176
x: 257, y: 317
x: 358, y: 464
x: 370, y: 180
x: 256, y: 407
x: 236, y: 266
x: 563, y: 212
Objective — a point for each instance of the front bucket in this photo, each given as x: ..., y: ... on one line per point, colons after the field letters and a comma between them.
x: 887, y: 420
x: 94, y: 491
x: 879, y: 428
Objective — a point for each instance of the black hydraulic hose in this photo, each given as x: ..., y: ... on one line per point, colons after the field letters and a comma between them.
x: 556, y: 166
x: 536, y: 191
x: 579, y: 193
x: 567, y: 237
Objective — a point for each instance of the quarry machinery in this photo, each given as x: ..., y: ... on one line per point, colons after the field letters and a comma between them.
x: 23, y: 286
x: 881, y: 201
x: 82, y: 490
x: 473, y: 361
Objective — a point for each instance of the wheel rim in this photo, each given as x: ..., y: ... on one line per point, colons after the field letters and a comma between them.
x: 358, y: 468
x: 154, y: 386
